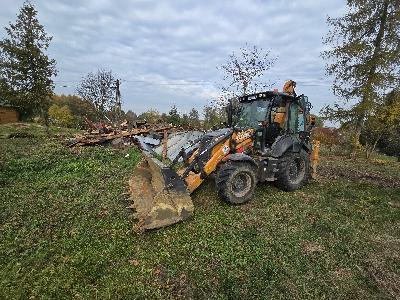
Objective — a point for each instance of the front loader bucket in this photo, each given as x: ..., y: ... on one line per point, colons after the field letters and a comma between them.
x: 159, y: 195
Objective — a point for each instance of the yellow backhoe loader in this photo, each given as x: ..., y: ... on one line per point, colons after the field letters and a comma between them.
x: 267, y: 139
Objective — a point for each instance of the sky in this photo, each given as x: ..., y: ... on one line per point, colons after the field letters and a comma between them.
x: 167, y: 52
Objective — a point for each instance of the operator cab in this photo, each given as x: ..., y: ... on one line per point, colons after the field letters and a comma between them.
x: 272, y: 114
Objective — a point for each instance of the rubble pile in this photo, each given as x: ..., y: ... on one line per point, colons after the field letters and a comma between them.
x: 127, y: 134
x: 100, y: 137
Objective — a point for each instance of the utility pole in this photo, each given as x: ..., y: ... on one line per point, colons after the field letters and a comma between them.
x: 117, y: 101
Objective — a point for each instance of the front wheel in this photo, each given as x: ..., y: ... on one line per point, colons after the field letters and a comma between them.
x: 294, y: 171
x: 236, y: 182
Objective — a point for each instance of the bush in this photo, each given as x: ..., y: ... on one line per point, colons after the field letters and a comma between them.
x: 61, y: 116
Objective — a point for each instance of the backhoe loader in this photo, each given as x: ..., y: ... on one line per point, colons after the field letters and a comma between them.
x: 267, y: 139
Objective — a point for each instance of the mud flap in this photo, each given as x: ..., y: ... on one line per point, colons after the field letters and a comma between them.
x: 159, y: 195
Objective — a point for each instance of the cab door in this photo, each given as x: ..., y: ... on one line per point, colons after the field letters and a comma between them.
x: 296, y: 120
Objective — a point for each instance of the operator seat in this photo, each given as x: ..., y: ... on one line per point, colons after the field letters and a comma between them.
x: 272, y: 131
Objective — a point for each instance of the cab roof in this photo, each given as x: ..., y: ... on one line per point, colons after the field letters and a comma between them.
x: 267, y: 94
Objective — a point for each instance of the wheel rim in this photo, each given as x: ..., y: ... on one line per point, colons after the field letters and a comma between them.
x: 296, y: 170
x: 241, y: 184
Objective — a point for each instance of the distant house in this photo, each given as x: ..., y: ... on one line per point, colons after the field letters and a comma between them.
x: 8, y: 113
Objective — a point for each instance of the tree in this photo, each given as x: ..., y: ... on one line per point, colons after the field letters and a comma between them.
x: 164, y: 117
x: 194, y: 118
x: 173, y: 116
x: 381, y: 122
x: 364, y: 59
x: 130, y: 116
x: 390, y: 143
x: 79, y: 108
x: 329, y: 137
x: 240, y: 72
x: 61, y: 115
x: 25, y: 70
x: 213, y: 116
x: 185, y: 120
x: 99, y: 88
x: 152, y: 116
x: 319, y: 121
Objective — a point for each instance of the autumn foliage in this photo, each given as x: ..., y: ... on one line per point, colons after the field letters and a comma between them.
x: 328, y: 137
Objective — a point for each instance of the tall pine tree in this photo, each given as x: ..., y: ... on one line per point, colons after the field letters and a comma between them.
x: 25, y: 70
x: 364, y: 58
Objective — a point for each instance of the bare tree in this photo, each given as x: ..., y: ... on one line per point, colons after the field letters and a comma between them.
x: 240, y: 72
x: 99, y: 88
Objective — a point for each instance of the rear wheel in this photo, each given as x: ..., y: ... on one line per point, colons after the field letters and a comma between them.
x: 294, y: 171
x: 236, y: 182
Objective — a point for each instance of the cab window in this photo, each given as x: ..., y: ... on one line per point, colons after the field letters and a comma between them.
x: 296, y: 121
x: 300, y: 121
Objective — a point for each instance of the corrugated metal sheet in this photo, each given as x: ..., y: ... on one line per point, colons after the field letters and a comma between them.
x: 177, y: 141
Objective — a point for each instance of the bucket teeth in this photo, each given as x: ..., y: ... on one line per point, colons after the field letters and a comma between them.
x: 160, y: 197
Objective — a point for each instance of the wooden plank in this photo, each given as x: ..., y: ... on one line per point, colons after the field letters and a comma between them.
x: 93, y: 139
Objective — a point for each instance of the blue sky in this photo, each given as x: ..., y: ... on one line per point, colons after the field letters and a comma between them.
x: 167, y: 52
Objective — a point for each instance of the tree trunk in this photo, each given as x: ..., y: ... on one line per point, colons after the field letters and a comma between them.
x: 371, y: 148
x: 245, y: 85
x: 356, y: 140
x: 375, y: 143
x: 45, y: 117
x: 367, y: 152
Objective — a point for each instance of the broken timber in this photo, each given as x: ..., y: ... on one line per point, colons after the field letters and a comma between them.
x: 97, y: 139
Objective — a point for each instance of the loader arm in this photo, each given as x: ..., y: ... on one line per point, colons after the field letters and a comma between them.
x: 237, y: 141
x: 161, y: 196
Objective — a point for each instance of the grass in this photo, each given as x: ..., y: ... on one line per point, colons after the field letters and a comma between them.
x: 65, y: 232
x: 32, y: 130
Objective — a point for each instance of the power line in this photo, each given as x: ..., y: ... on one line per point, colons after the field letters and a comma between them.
x: 145, y: 81
x: 64, y: 83
x: 185, y: 83
x: 141, y: 82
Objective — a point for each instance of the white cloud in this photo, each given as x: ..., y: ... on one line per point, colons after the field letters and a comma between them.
x: 161, y: 42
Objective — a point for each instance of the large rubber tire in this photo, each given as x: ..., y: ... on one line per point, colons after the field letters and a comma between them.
x: 294, y: 171
x: 236, y: 182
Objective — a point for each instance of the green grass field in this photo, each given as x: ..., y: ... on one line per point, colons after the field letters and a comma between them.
x: 65, y: 232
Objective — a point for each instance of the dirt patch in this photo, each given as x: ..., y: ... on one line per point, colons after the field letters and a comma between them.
x: 379, y: 179
x: 177, y: 285
x: 311, y: 247
x: 386, y: 280
x: 381, y: 266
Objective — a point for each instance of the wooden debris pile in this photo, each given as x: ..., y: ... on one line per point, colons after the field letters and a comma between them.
x: 102, y: 138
